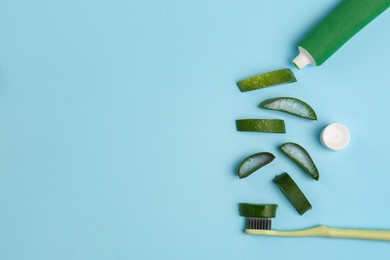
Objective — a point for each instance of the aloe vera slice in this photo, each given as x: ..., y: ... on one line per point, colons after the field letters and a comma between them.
x: 258, y: 210
x: 272, y: 78
x: 299, y: 155
x: 287, y: 185
x: 261, y: 125
x: 253, y: 163
x: 290, y: 105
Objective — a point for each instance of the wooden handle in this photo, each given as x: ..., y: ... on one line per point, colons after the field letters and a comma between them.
x: 360, y: 233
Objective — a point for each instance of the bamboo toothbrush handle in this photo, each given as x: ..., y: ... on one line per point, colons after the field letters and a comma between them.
x: 359, y: 233
x: 324, y: 231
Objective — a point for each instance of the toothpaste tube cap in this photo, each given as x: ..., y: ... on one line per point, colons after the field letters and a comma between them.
x: 303, y: 59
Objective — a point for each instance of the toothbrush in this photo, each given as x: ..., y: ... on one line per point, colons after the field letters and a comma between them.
x: 260, y: 226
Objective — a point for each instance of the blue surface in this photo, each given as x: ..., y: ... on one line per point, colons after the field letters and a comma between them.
x: 118, y: 141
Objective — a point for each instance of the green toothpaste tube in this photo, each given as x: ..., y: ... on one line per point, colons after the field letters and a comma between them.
x: 340, y: 25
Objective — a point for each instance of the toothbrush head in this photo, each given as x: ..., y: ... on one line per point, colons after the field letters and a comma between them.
x: 258, y: 223
x: 258, y: 216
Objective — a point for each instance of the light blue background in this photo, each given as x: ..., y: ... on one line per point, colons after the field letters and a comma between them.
x: 118, y: 140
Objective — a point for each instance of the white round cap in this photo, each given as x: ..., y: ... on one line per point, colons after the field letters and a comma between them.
x: 335, y: 136
x: 303, y: 59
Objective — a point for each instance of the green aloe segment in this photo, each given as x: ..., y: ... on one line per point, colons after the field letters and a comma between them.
x: 253, y: 163
x: 272, y: 78
x: 290, y: 105
x: 258, y: 210
x: 287, y: 185
x: 299, y: 155
x: 261, y: 125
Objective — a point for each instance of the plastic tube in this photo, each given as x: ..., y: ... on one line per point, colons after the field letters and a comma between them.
x: 348, y: 18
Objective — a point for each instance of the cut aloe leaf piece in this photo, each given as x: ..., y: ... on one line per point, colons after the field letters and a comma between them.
x: 290, y: 105
x: 269, y: 79
x: 258, y: 210
x: 253, y: 163
x: 287, y: 185
x: 261, y: 125
x: 299, y: 155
